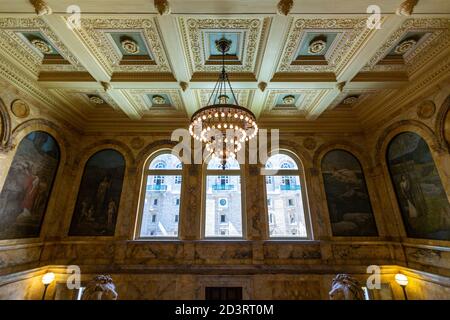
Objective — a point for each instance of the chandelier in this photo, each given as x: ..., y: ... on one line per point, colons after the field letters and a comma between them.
x: 222, y: 125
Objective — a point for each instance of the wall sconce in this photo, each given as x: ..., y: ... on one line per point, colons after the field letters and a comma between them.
x: 47, y: 279
x: 402, y: 280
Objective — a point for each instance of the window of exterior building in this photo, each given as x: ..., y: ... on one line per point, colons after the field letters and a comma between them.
x: 161, y: 197
x: 223, y: 208
x: 286, y: 197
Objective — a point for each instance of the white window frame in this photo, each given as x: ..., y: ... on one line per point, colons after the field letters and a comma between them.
x: 289, y: 173
x: 157, y: 172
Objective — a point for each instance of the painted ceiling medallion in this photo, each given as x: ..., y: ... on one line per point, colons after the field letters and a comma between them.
x: 426, y: 110
x: 317, y: 46
x: 157, y: 99
x: 289, y: 99
x: 42, y: 46
x: 129, y: 45
x: 405, y: 46
x: 20, y: 109
x: 96, y: 100
x: 350, y: 100
x: 223, y: 127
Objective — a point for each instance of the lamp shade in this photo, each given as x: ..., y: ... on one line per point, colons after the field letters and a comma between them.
x: 48, y: 278
x: 401, y: 279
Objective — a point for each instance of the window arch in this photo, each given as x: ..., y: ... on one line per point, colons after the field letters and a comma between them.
x: 160, y: 197
x: 421, y: 197
x: 287, y: 206
x: 223, y: 209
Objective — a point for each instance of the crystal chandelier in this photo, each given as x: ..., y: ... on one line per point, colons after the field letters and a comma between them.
x: 223, y: 126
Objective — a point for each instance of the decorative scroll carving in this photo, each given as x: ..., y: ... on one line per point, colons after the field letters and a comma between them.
x: 162, y: 6
x: 41, y: 7
x: 407, y: 7
x: 284, y: 7
x: 344, y: 287
x: 100, y: 288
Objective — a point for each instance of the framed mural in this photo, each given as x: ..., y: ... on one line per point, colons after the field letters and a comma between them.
x: 347, y: 197
x: 27, y: 188
x: 421, y: 197
x: 99, y: 195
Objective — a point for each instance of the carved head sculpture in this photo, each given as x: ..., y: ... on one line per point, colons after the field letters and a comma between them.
x: 344, y: 287
x: 100, y: 288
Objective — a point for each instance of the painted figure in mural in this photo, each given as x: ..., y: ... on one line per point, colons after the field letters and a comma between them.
x: 405, y: 188
x: 27, y: 187
x: 99, y: 195
x: 421, y: 197
x: 111, y: 212
x: 347, y: 197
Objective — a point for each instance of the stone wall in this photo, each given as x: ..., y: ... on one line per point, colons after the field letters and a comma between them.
x: 266, y: 269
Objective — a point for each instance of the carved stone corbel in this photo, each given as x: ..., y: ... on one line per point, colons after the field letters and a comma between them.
x: 162, y: 6
x: 284, y: 7
x: 41, y: 7
x: 262, y: 86
x: 407, y: 7
x: 184, y: 86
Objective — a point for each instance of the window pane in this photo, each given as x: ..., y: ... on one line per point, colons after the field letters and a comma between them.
x: 223, y: 217
x: 281, y: 161
x: 161, y: 206
x: 215, y: 163
x: 286, y: 215
x: 166, y: 161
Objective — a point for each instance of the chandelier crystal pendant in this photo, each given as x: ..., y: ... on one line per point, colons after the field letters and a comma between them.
x: 223, y: 126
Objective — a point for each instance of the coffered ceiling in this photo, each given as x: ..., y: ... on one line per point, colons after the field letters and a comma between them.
x: 125, y: 61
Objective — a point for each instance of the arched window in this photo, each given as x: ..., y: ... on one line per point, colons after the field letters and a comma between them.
x: 28, y: 185
x: 421, y: 197
x: 286, y: 198
x: 160, y: 198
x: 223, y: 207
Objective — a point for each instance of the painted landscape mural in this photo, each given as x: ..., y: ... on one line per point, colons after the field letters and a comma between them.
x: 25, y: 193
x: 421, y: 197
x: 99, y: 195
x: 347, y: 197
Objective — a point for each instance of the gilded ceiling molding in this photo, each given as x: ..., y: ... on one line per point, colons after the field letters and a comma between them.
x: 145, y: 153
x: 192, y: 28
x: 162, y: 6
x: 426, y: 50
x: 138, y: 98
x: 41, y: 7
x: 14, y: 46
x: 353, y: 34
x: 311, y: 98
x: 407, y: 7
x: 94, y: 33
x: 5, y: 129
x: 284, y: 7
